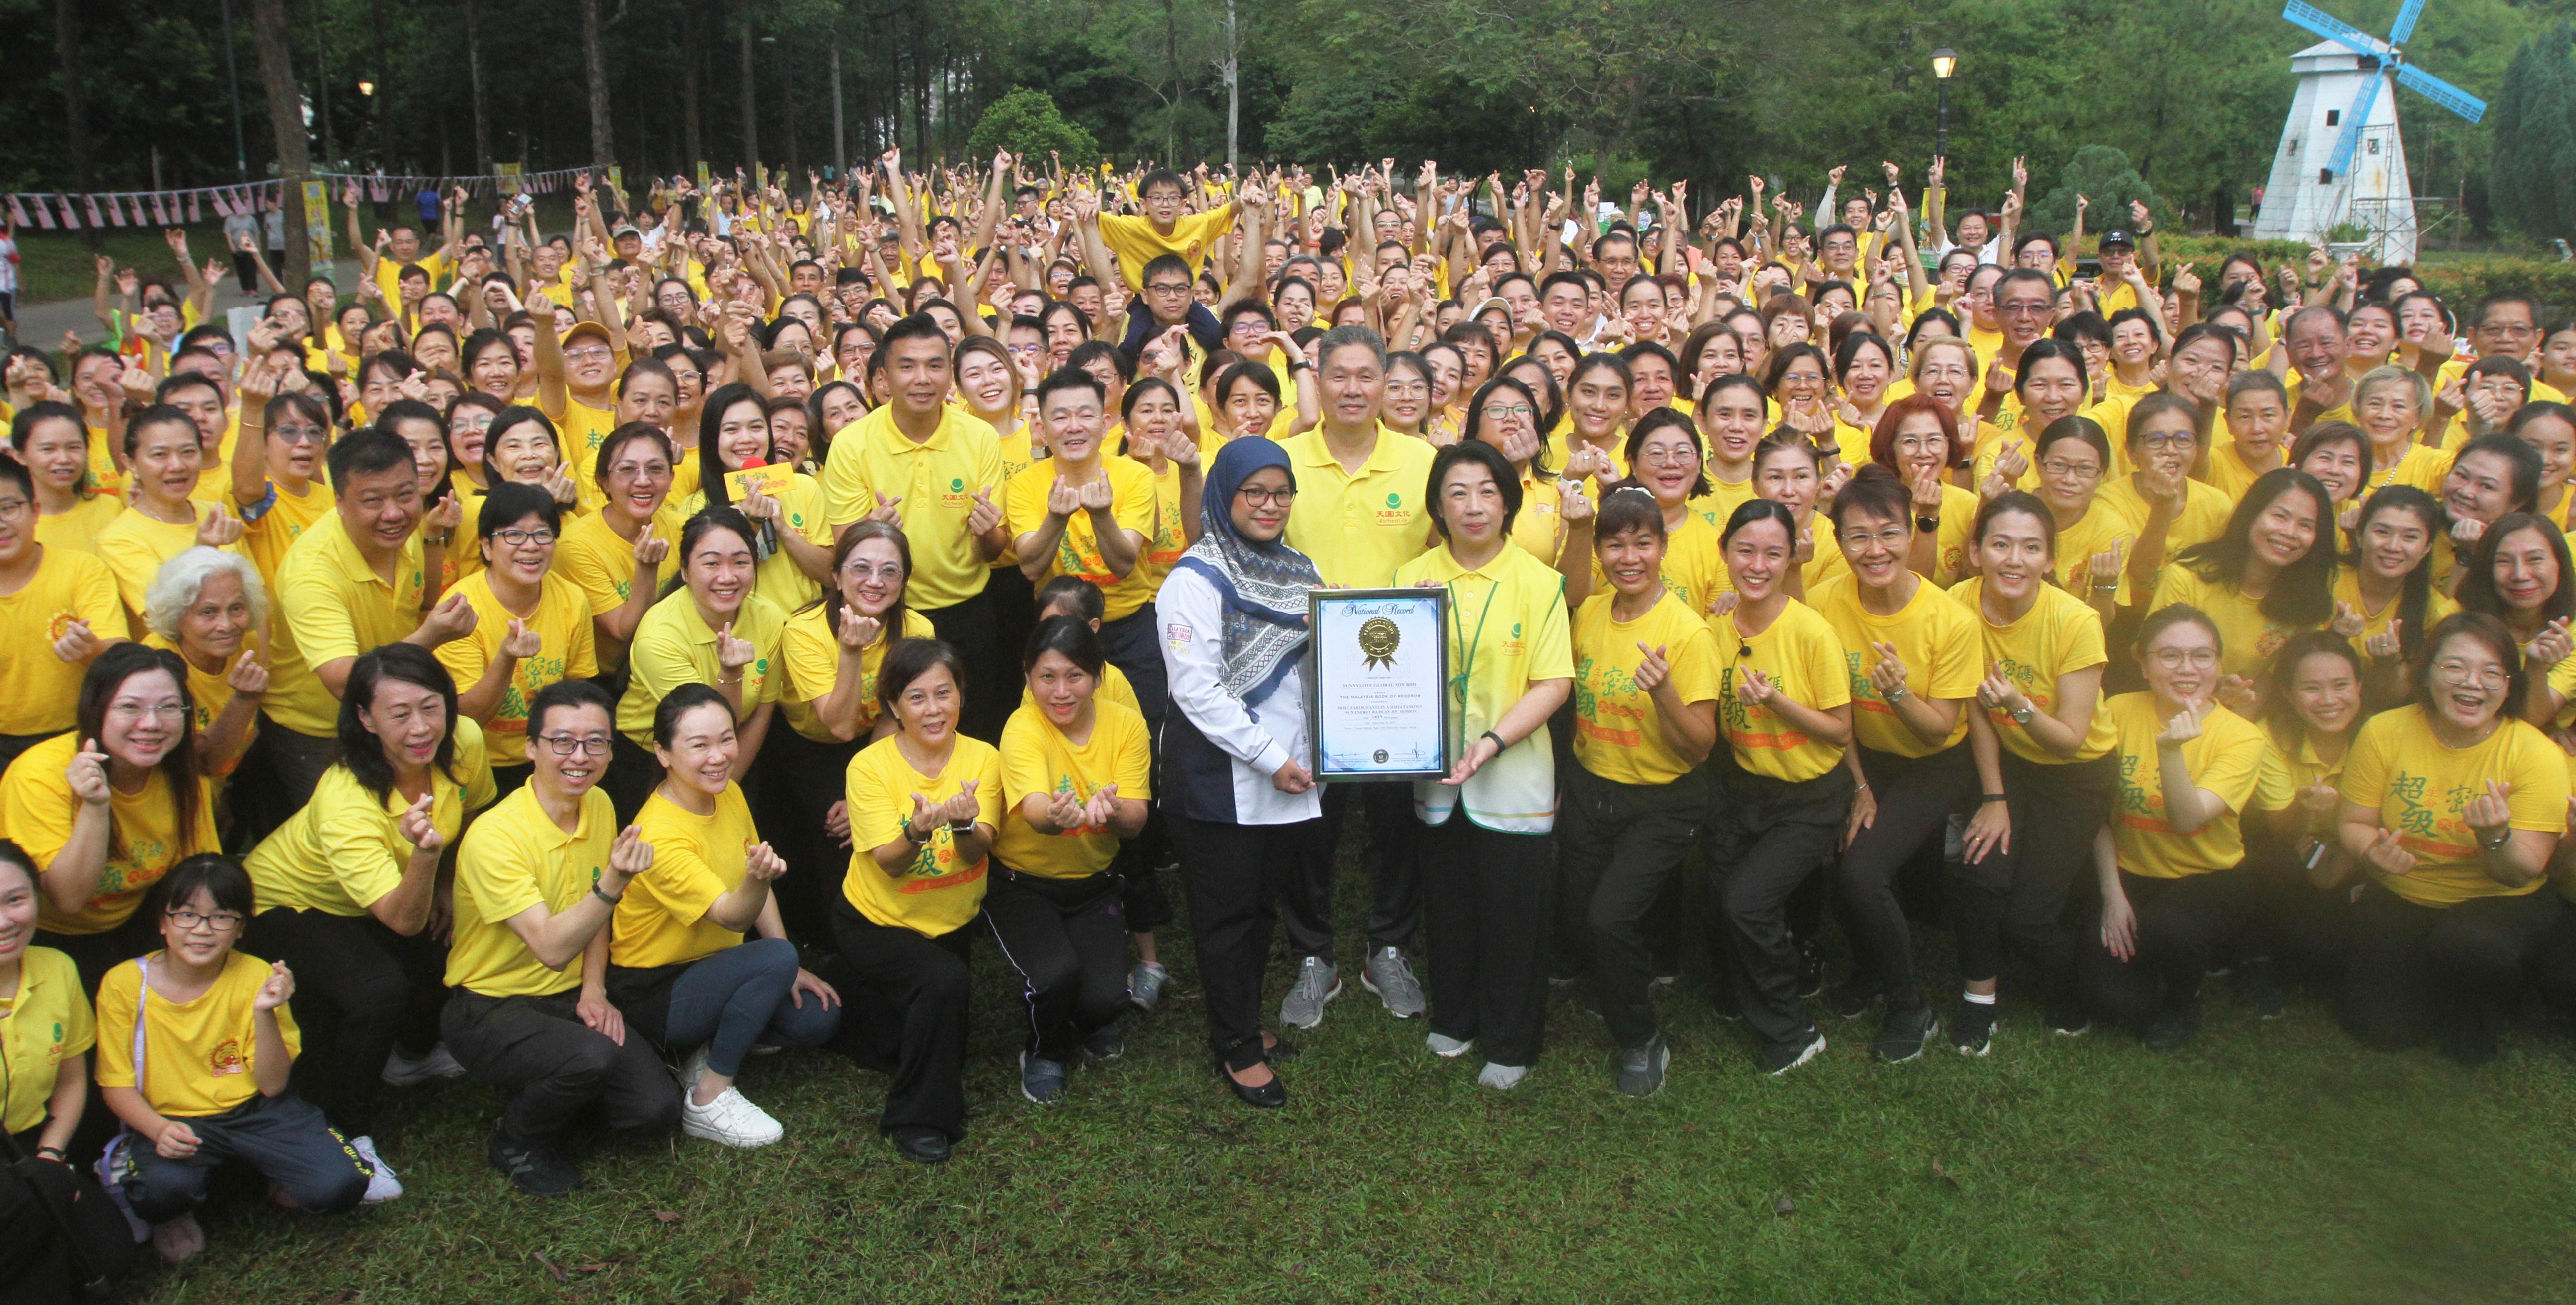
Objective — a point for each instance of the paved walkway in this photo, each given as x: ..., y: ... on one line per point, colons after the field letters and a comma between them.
x: 42, y: 325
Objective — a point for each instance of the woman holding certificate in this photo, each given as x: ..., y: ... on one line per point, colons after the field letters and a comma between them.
x: 1246, y: 816
x: 1487, y: 879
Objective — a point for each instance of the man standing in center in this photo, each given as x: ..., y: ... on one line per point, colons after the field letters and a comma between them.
x: 1361, y: 511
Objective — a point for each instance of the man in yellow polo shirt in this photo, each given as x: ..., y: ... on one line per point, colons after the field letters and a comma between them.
x: 1362, y: 510
x: 935, y: 470
x: 353, y: 582
x: 537, y: 879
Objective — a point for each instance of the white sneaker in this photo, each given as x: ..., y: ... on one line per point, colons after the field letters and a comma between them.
x: 729, y: 1119
x: 404, y: 1071
x: 1502, y: 1078
x: 382, y: 1187
x: 1446, y: 1047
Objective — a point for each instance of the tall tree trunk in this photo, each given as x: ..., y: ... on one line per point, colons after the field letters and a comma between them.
x: 322, y: 84
x: 840, y: 144
x: 286, y: 120
x: 1172, y: 57
x: 67, y: 51
x: 787, y: 94
x: 750, y: 102
x: 690, y: 54
x: 474, y: 83
x: 594, y: 58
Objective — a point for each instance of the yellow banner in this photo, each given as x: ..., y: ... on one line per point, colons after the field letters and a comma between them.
x: 317, y: 219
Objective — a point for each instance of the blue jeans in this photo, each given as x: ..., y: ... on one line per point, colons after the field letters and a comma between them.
x: 740, y: 996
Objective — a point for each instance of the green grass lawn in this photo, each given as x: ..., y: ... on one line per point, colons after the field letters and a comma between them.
x: 2273, y: 1162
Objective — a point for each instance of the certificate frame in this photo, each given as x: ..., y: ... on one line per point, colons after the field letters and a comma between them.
x: 1364, y: 728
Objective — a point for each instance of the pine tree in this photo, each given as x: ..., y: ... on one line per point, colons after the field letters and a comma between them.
x: 2532, y: 181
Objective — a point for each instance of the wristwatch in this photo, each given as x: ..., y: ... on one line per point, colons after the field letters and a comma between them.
x: 1929, y: 523
x: 962, y: 828
x: 2498, y: 842
x: 2021, y: 715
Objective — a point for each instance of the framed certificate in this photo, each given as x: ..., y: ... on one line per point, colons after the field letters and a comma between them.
x: 1377, y: 675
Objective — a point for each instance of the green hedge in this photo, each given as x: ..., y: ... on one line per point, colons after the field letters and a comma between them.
x: 2462, y: 282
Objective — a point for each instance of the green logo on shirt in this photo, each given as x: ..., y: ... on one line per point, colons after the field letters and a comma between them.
x: 1395, y: 500
x: 956, y: 485
x: 1516, y: 629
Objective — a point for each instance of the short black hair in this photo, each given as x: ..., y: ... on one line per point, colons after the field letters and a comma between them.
x: 156, y: 415
x: 919, y: 326
x: 509, y: 502
x: 1069, y: 377
x: 567, y: 694
x: 1085, y: 596
x: 1484, y: 455
x: 369, y: 452
x: 219, y: 877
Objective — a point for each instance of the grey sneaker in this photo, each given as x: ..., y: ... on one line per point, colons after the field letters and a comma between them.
x: 1641, y: 1069
x: 1041, y: 1080
x: 1502, y: 1078
x: 1386, y: 974
x: 1145, y: 986
x: 1317, y: 983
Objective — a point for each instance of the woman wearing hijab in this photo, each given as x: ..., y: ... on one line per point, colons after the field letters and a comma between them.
x: 1246, y: 816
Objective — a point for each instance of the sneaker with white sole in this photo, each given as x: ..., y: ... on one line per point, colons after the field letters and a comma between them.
x: 1317, y: 983
x: 1386, y: 974
x: 1041, y: 1079
x: 381, y: 1185
x: 730, y: 1119
x: 1446, y: 1047
x: 403, y: 1070
x: 1641, y: 1068
x: 1145, y: 985
x: 1780, y: 1057
x: 1502, y: 1078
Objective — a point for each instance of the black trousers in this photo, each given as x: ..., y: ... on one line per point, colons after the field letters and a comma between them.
x: 13, y: 744
x: 800, y: 781
x: 923, y: 980
x: 1068, y: 941
x: 1916, y: 797
x: 2416, y: 970
x: 1485, y: 898
x: 1618, y: 846
x: 632, y: 775
x: 1767, y: 838
x: 283, y: 1137
x: 1131, y: 644
x: 2553, y: 970
x: 1235, y: 876
x: 276, y: 778
x: 1393, y: 854
x: 360, y: 991
x: 2016, y: 899
x: 992, y: 686
x: 2182, y: 926
x: 556, y: 1069
x: 2287, y: 918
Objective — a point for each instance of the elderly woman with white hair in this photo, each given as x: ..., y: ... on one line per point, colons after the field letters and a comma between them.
x: 208, y: 605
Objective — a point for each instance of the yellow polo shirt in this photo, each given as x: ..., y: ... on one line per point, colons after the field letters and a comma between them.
x: 513, y: 858
x: 1134, y: 242
x: 199, y: 1057
x: 936, y: 479
x: 345, y: 850
x: 662, y: 919
x: 331, y: 604
x: 1360, y: 528
x: 2227, y: 759
x: 1077, y: 551
x: 581, y: 432
x: 1618, y: 733
x: 800, y: 511
x: 812, y: 653
x: 39, y: 691
x: 37, y: 809
x: 1803, y: 658
x: 2400, y: 767
x: 673, y: 647
x: 590, y: 555
x: 1934, y: 638
x: 2057, y: 636
x: 1038, y: 758
x: 567, y: 650
x: 78, y: 528
x: 936, y: 894
x: 1508, y: 630
x: 41, y: 1024
x: 134, y: 546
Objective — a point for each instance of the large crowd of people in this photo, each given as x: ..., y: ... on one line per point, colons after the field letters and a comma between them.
x: 587, y: 662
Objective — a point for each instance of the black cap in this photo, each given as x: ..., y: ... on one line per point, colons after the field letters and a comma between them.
x: 2118, y: 236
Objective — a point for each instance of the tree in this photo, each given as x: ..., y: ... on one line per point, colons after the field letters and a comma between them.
x: 594, y: 58
x: 1026, y: 122
x: 2102, y: 175
x: 2532, y: 180
x: 286, y: 121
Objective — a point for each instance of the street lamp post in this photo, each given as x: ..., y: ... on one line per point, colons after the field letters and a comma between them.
x: 1944, y: 62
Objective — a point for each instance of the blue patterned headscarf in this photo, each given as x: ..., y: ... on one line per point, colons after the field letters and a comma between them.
x: 1264, y: 584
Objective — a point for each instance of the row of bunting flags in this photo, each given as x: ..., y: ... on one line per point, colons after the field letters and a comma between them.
x: 166, y: 208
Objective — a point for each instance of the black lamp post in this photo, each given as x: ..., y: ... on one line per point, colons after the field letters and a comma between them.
x: 1944, y: 62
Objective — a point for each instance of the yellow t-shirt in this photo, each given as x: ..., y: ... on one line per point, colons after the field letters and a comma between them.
x: 936, y: 480
x: 134, y: 546
x: 1618, y: 733
x: 199, y: 1058
x: 2057, y: 636
x: 2205, y: 509
x: 1077, y: 550
x: 800, y: 504
x: 582, y: 430
x: 39, y: 691
x: 567, y: 650
x: 674, y: 647
x: 2421, y: 465
x: 2227, y: 759
x: 2419, y: 786
x: 1360, y: 528
x: 662, y: 920
x: 1694, y: 566
x: 209, y: 693
x: 37, y: 809
x: 2247, y: 638
x: 2347, y: 589
x: 513, y: 858
x: 936, y: 894
x: 2226, y: 471
x: 1134, y: 242
x: 1803, y: 658
x: 267, y: 540
x: 1718, y: 506
x: 2098, y: 531
x: 344, y: 850
x: 78, y: 529
x: 1038, y: 758
x: 1165, y: 543
x: 45, y: 1021
x: 389, y: 274
x: 331, y: 604
x: 590, y: 555
x: 812, y: 654
x: 1933, y: 637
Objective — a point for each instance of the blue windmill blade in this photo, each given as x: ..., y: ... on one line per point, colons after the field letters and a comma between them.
x: 2441, y: 92
x: 2353, y: 119
x: 2403, y: 30
x: 2332, y: 28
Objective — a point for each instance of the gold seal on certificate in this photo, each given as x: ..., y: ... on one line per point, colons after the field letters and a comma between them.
x: 1379, y: 638
x: 1378, y: 715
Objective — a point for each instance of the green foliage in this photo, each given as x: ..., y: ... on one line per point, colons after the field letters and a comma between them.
x: 1027, y: 123
x: 2348, y: 233
x: 2532, y: 181
x: 2104, y: 177
x: 2463, y: 281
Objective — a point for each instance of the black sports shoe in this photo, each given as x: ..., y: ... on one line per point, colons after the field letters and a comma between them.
x: 2256, y: 988
x: 1641, y: 1069
x: 1973, y: 1033
x: 1811, y: 967
x: 1106, y: 1043
x: 2067, y: 1018
x: 1902, y: 1034
x: 922, y: 1146
x: 1852, y: 998
x: 1779, y: 1058
x: 533, y: 1167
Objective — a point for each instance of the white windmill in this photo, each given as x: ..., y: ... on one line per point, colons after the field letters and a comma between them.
x: 2341, y: 161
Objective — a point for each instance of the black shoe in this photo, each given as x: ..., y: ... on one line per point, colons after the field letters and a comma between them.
x: 1281, y: 1051
x: 922, y: 1146
x: 1105, y: 1043
x: 1641, y: 1069
x: 1852, y: 998
x: 533, y: 1167
x: 1902, y: 1034
x: 2172, y: 1029
x: 1269, y: 1096
x: 1973, y: 1033
x: 1780, y: 1057
x: 2067, y: 1019
x: 2255, y: 988
x: 1811, y: 967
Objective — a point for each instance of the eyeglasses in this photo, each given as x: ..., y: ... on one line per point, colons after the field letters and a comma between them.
x: 2170, y: 440
x: 596, y: 353
x: 1168, y: 288
x: 140, y: 710
x: 514, y: 537
x: 1260, y: 497
x: 298, y: 433
x: 188, y: 920
x: 1677, y: 454
x: 565, y: 745
x: 2022, y: 308
x: 1520, y: 410
x: 891, y: 573
x: 2057, y: 470
x: 10, y: 508
x: 2451, y: 670
x: 1884, y: 539
x: 2174, y: 659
